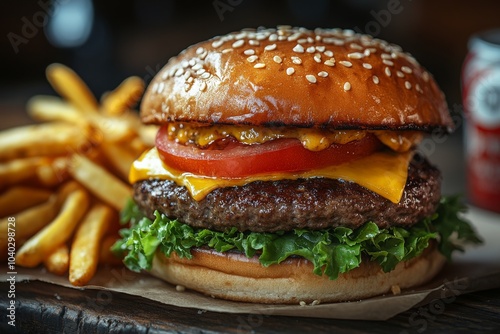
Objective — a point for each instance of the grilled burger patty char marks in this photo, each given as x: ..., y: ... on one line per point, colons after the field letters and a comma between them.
x: 284, y: 205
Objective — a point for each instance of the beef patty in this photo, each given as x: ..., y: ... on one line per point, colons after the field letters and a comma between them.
x: 315, y: 203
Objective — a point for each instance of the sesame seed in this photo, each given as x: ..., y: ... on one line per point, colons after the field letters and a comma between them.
x: 200, y: 50
x: 302, y: 41
x: 189, y: 80
x: 294, y: 37
x: 367, y: 66
x: 355, y: 46
x: 330, y: 62
x: 310, y: 40
x: 241, y: 35
x: 205, y: 75
x: 311, y: 49
x: 407, y: 85
x: 311, y: 78
x: 406, y: 69
x: 259, y: 65
x: 345, y: 63
x: 249, y: 52
x: 298, y: 48
x: 253, y: 42
x: 179, y: 72
x: 277, y: 59
x: 328, y: 53
x: 385, y: 56
x: 155, y: 87
x: 323, y: 74
x: 203, y: 86
x: 355, y: 55
x: 217, y: 43
x: 400, y: 74
x: 290, y: 71
x: 367, y: 52
x: 261, y: 37
x: 253, y: 58
x: 425, y: 76
x: 317, y: 58
x: 273, y: 37
x: 375, y: 80
x: 200, y: 71
x: 296, y: 60
x: 347, y: 86
x: 238, y: 43
x: 164, y: 75
x: 270, y: 47
x: 418, y: 88
x: 284, y: 27
x: 388, y: 62
x: 185, y: 63
x: 387, y: 71
x: 227, y: 50
x: 197, y: 67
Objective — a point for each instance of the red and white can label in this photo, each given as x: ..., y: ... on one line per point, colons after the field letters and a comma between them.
x: 481, y: 94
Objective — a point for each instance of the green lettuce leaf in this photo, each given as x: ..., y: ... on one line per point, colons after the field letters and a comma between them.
x: 332, y: 251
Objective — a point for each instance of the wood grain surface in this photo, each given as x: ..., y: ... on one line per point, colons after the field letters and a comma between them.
x: 46, y: 308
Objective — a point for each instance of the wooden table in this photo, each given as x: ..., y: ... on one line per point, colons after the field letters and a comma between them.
x: 43, y: 307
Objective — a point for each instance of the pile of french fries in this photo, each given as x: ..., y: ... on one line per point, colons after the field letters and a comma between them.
x: 64, y: 180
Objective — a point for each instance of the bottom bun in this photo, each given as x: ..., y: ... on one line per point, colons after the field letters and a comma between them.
x: 233, y: 276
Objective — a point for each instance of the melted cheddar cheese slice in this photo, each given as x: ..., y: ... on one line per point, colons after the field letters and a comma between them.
x: 383, y: 172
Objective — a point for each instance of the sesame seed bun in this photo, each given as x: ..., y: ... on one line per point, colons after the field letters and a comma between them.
x: 297, y: 77
x: 233, y: 276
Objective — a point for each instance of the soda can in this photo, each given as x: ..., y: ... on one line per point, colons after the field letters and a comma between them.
x: 481, y: 98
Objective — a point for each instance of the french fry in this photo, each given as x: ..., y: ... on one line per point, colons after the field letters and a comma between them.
x: 56, y: 233
x: 123, y: 97
x: 29, y: 221
x: 86, y: 244
x: 147, y: 133
x: 70, y: 86
x: 49, y: 108
x: 120, y: 158
x: 47, y: 139
x: 113, y: 129
x: 106, y: 256
x: 90, y: 144
x: 100, y: 182
x: 53, y: 174
x: 19, y: 170
x: 19, y: 198
x: 58, y: 261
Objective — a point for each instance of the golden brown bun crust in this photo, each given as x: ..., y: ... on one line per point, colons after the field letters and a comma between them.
x: 246, y: 78
x: 233, y: 276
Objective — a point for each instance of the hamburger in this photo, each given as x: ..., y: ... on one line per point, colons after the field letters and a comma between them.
x: 285, y: 170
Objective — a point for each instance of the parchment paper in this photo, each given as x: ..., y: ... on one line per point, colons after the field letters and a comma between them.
x: 477, y: 269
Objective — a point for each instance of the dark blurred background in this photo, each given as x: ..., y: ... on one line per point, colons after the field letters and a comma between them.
x: 107, y: 41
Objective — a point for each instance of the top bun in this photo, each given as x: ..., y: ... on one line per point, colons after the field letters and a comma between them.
x: 297, y: 77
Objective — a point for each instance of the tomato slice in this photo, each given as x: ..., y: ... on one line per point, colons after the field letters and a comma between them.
x: 238, y: 160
